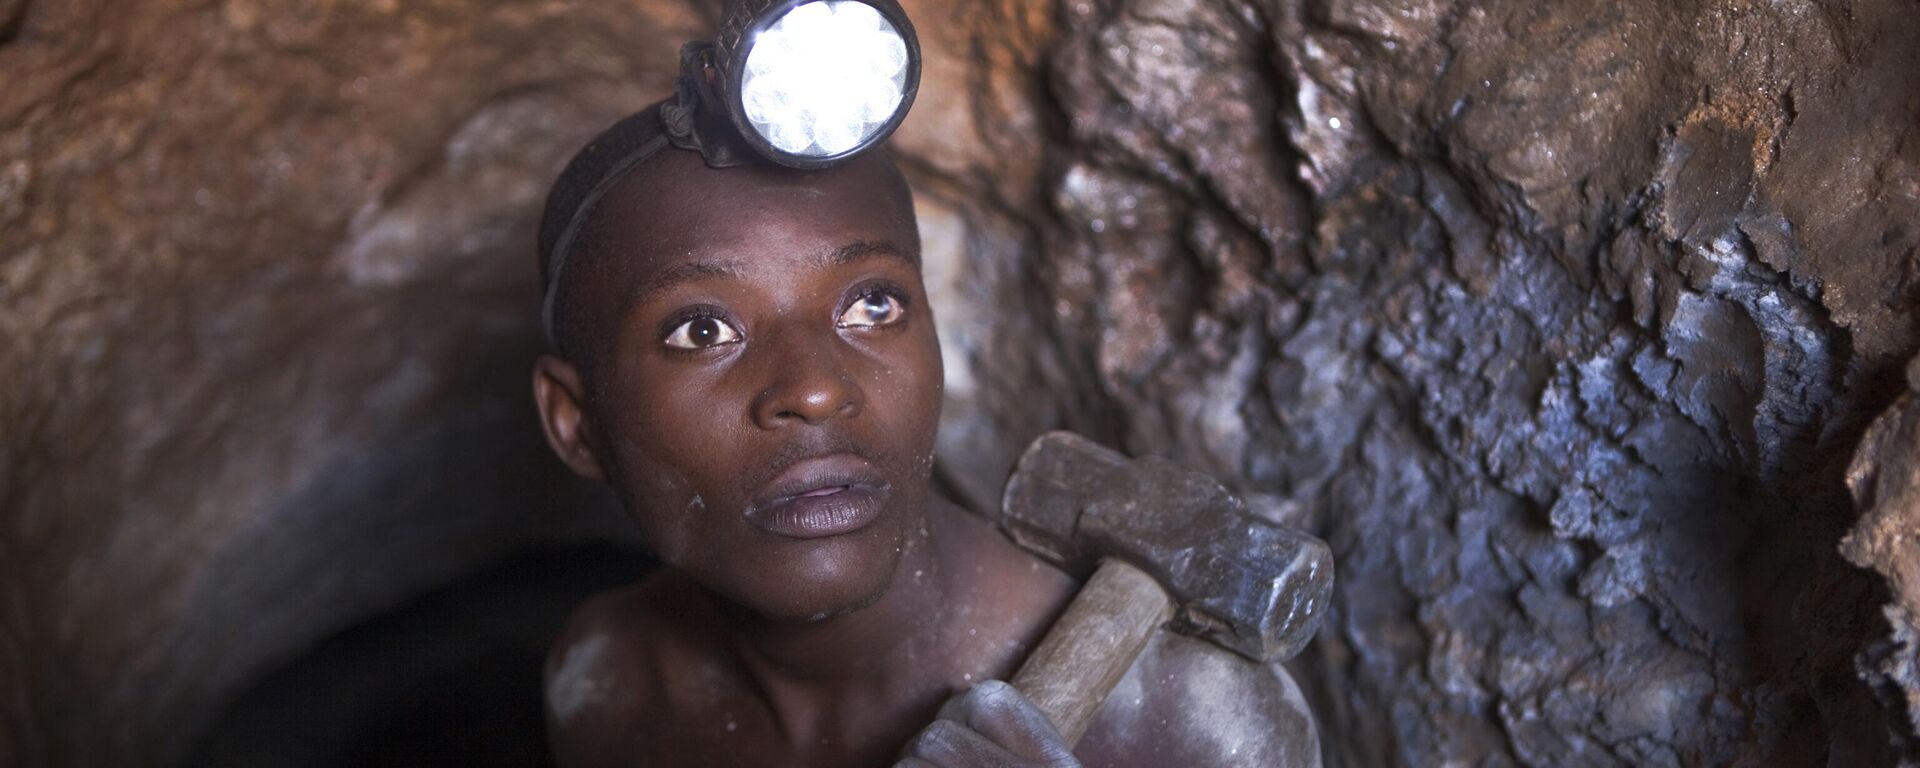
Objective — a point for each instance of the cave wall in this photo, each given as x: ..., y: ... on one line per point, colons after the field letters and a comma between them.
x: 1559, y: 321
x: 1566, y: 324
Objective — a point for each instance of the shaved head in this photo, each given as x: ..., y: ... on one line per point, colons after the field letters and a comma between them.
x: 664, y: 202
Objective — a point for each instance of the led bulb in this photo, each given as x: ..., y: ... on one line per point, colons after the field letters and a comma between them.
x: 824, y: 78
x: 860, y: 16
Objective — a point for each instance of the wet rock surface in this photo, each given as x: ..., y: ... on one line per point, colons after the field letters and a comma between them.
x: 1560, y: 322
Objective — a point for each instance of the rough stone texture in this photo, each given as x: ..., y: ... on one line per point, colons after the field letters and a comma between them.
x: 266, y: 296
x: 1559, y: 321
x: 1885, y: 477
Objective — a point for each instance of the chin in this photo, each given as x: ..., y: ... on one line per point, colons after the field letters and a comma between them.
x: 815, y: 580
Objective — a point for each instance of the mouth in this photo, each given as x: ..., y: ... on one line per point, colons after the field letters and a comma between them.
x: 819, y: 497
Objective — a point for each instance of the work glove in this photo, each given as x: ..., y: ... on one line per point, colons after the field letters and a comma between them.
x: 991, y: 725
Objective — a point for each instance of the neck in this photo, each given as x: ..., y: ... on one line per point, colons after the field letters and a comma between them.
x: 892, y: 649
x: 861, y: 642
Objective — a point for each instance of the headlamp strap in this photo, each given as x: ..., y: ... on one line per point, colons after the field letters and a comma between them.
x: 695, y: 119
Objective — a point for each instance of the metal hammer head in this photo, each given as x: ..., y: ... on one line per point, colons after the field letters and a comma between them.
x: 1245, y: 583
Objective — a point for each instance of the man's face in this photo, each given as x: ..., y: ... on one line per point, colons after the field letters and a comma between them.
x: 765, y: 392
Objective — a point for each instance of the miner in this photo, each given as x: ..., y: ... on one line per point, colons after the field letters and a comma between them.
x: 745, y: 352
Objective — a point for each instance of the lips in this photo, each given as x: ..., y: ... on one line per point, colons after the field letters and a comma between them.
x: 819, y: 497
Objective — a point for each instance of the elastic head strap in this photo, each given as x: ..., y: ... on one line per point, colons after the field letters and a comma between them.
x: 687, y: 121
x: 557, y: 260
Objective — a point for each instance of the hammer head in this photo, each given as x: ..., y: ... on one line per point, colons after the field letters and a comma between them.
x: 1245, y: 583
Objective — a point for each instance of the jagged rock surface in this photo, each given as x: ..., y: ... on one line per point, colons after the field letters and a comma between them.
x: 1885, y: 478
x: 1559, y: 321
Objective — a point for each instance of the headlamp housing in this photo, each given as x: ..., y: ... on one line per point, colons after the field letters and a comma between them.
x: 810, y: 83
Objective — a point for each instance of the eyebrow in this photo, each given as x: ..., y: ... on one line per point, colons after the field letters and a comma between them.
x: 692, y: 271
x: 867, y: 249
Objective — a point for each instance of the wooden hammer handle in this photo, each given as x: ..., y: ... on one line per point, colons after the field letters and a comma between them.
x: 1093, y: 644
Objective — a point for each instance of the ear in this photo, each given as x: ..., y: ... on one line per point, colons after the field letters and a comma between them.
x: 560, y: 395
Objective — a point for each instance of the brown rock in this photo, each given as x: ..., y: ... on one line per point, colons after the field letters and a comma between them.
x: 1885, y: 478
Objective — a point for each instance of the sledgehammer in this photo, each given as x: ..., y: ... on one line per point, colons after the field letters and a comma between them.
x: 1165, y: 545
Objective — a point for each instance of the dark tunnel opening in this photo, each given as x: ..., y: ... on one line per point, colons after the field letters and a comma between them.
x: 449, y: 679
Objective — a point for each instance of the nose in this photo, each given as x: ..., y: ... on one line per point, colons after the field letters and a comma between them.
x: 809, y: 384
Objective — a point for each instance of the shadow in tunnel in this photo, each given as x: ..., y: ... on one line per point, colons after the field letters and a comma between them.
x: 450, y: 679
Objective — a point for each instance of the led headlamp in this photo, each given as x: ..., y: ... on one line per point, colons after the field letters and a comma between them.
x: 802, y: 83
x: 808, y: 83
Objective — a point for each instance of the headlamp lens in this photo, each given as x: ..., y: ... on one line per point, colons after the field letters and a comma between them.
x: 824, y: 78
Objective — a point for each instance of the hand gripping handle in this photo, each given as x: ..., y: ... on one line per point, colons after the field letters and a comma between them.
x: 1093, y: 645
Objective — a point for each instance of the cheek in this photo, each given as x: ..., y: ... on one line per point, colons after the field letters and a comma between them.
x: 672, y: 527
x: 933, y: 386
x: 670, y: 443
x: 676, y: 416
x: 907, y: 390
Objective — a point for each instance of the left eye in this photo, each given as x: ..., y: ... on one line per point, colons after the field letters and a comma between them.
x: 873, y: 309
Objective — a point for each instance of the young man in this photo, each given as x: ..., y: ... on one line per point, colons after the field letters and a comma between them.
x: 747, y: 356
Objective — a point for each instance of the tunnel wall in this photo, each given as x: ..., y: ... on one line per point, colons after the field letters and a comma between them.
x: 1579, y: 329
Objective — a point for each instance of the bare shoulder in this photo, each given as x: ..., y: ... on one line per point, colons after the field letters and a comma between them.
x: 1189, y: 702
x: 600, y: 649
x: 614, y: 677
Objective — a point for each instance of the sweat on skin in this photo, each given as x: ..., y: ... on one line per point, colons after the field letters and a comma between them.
x: 750, y: 362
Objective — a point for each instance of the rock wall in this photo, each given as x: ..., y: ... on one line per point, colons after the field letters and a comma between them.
x: 1885, y: 476
x: 1561, y: 322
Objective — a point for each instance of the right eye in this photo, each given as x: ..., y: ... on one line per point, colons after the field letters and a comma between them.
x: 701, y: 333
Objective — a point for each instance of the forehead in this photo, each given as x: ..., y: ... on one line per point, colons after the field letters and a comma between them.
x: 675, y: 209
